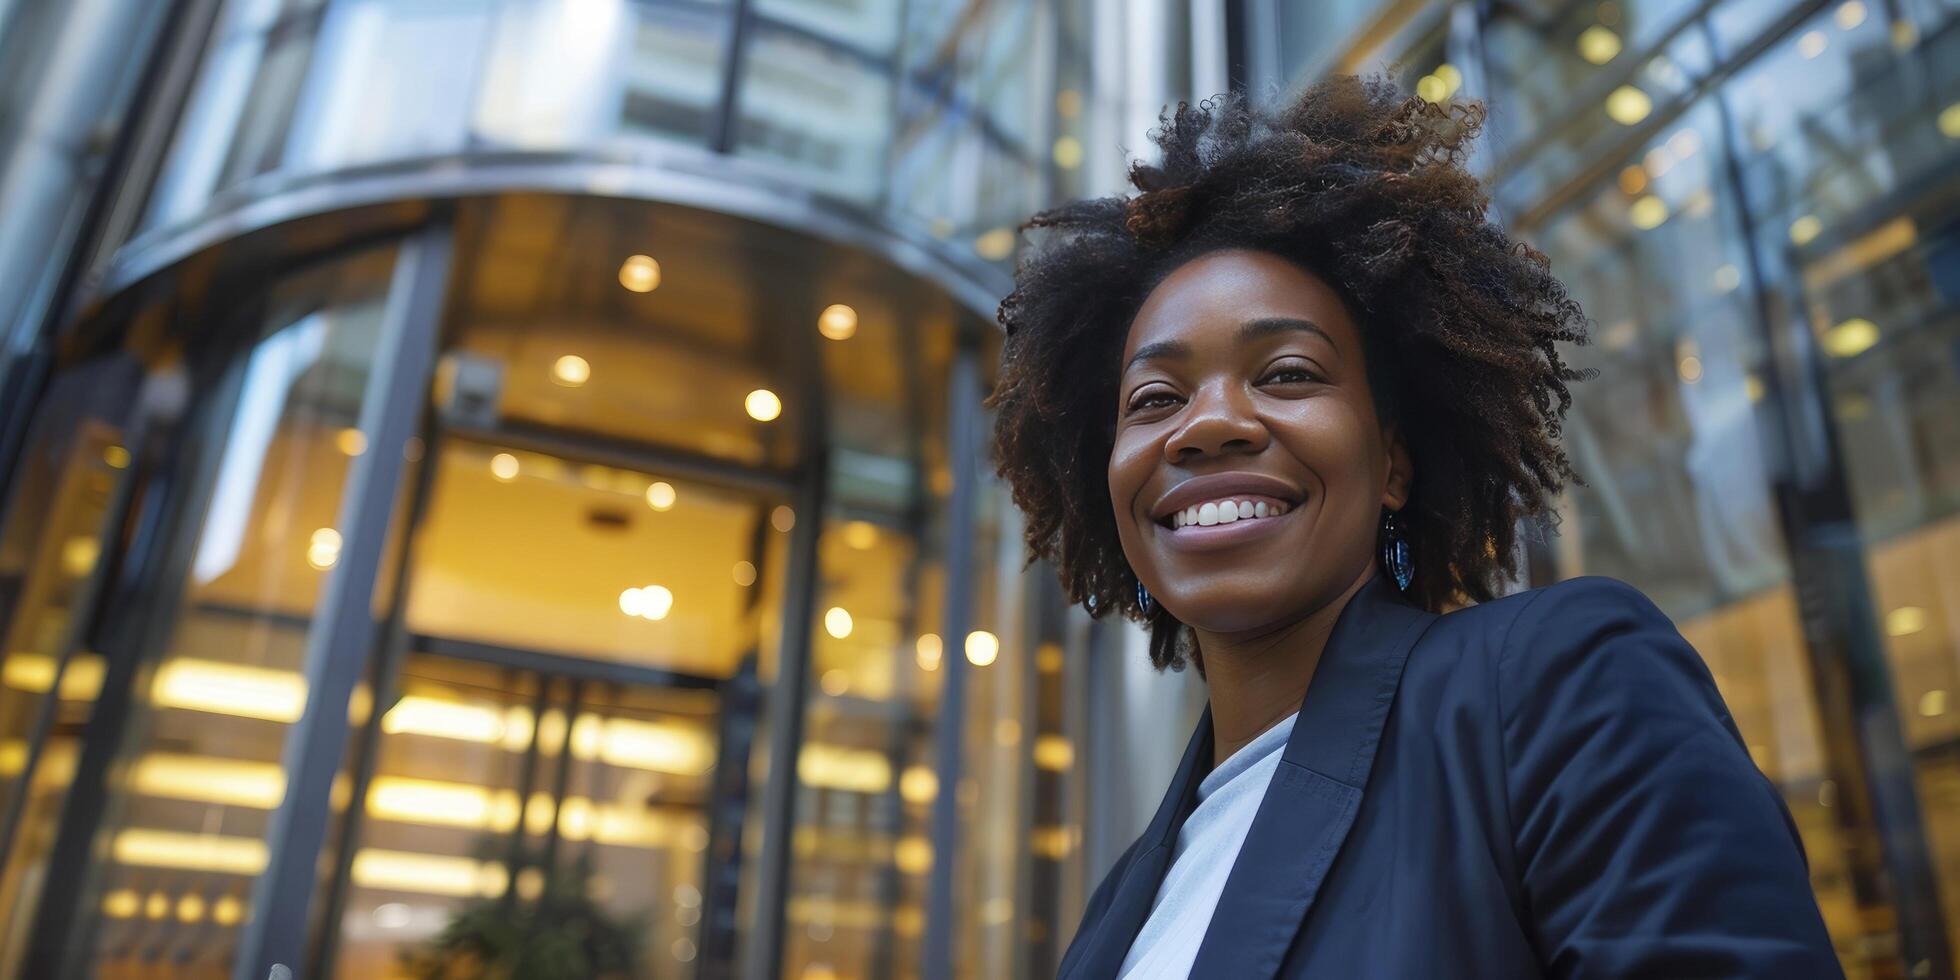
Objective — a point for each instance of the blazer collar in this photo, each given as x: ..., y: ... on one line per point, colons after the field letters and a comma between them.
x: 1305, y: 815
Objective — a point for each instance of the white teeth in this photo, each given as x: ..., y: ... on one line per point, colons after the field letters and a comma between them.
x: 1225, y: 512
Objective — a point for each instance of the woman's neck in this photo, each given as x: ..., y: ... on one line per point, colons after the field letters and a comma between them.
x: 1255, y: 680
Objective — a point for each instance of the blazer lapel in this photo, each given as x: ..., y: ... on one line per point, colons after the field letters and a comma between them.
x: 1316, y: 790
x: 1136, y: 891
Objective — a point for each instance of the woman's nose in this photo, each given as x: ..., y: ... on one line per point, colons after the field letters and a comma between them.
x: 1219, y: 420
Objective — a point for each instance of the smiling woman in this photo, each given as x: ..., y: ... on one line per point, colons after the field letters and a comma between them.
x: 1289, y: 407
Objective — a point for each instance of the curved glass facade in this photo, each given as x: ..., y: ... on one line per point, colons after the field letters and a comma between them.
x: 519, y: 480
x: 1755, y: 202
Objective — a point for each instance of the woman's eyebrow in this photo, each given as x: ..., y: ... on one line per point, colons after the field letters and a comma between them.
x: 1268, y: 326
x: 1159, y: 350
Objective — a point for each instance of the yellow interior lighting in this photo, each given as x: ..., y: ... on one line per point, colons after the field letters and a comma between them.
x: 191, y: 852
x: 650, y: 745
x: 429, y: 874
x: 34, y: 672
x: 837, y: 767
x: 229, y: 689
x: 208, y: 779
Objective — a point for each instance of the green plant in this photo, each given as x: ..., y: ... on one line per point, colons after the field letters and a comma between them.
x: 560, y: 934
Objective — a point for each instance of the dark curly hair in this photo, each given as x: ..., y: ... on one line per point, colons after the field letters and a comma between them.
x: 1367, y: 189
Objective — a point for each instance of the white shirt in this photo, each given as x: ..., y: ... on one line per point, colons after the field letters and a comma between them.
x: 1207, y: 847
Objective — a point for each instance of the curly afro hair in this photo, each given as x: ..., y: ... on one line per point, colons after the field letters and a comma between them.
x: 1367, y: 189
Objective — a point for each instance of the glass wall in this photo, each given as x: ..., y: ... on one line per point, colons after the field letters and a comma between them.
x: 1754, y: 202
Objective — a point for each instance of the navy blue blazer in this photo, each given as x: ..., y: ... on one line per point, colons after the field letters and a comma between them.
x: 1545, y: 785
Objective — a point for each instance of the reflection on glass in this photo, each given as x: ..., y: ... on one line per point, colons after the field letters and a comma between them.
x: 186, y: 832
x: 53, y: 543
x: 818, y: 109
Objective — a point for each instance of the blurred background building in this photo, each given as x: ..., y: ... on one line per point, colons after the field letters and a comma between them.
x: 489, y: 473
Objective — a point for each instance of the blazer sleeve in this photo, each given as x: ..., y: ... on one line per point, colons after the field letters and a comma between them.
x: 1648, y: 843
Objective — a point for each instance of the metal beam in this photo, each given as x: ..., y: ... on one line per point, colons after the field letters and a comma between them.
x: 344, y: 631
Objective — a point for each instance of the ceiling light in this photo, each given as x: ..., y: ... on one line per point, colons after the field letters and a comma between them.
x: 744, y: 574
x: 34, y: 673
x: 350, y: 442
x: 429, y: 874
x: 639, y: 273
x: 1068, y: 152
x: 229, y: 689
x: 1054, y: 753
x: 835, y: 683
x: 782, y: 518
x: 571, y: 371
x: 504, y: 467
x: 1647, y: 213
x: 1727, y: 278
x: 655, y: 746
x: 1812, y: 44
x: 1905, y: 621
x: 763, y: 405
x: 1932, y: 704
x: 1850, y: 15
x: 912, y: 856
x: 1598, y: 44
x: 918, y: 785
x: 190, y: 908
x: 123, y: 903
x: 1850, y: 338
x: 930, y: 649
x: 227, y: 911
x: 323, y: 548
x: 836, y: 767
x: 655, y: 602
x: 1804, y: 229
x: 982, y: 648
x: 1627, y: 105
x: 995, y: 245
x: 862, y: 535
x: 1690, y: 369
x: 837, y: 622
x: 116, y: 456
x: 191, y: 852
x: 837, y: 321
x: 441, y: 804
x: 661, y: 496
x: 443, y: 718
x: 209, y: 779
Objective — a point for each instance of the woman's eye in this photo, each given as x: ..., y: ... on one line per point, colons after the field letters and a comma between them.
x: 1151, y: 399
x: 1289, y: 374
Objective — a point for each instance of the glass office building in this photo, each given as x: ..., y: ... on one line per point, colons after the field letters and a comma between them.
x: 512, y: 473
x: 1758, y: 204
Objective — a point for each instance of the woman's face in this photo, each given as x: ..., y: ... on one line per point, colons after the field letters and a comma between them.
x: 1244, y: 393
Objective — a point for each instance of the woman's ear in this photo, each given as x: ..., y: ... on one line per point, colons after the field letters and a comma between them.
x: 1401, y: 471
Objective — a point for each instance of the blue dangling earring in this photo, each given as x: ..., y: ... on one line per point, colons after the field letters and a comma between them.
x: 1395, y: 552
x: 1144, y: 601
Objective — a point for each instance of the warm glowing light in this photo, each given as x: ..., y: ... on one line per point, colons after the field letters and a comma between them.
x: 835, y: 683
x: 862, y: 535
x: 571, y: 371
x: 209, y: 779
x: 191, y: 852
x: 443, y: 804
x: 229, y: 689
x: 840, y: 768
x: 116, y: 456
x: 34, y: 672
x: 982, y: 648
x: 123, y: 903
x: 744, y: 574
x: 1904, y: 34
x: 1633, y: 179
x: 1007, y: 732
x: 1053, y: 843
x: 837, y: 622
x: 1628, y: 105
x: 1850, y: 14
x: 763, y: 405
x: 837, y: 322
x: 912, y: 855
x: 639, y: 273
x: 227, y: 911
x: 1804, y: 229
x: 1647, y: 213
x: 1068, y: 102
x: 929, y: 648
x: 1048, y: 658
x: 1054, y: 753
x: 1812, y: 44
x: 1932, y: 704
x: 504, y: 467
x: 918, y: 785
x: 661, y: 496
x: 1690, y: 369
x: 156, y: 906
x: 429, y: 874
x: 78, y: 555
x: 995, y: 245
x: 1068, y: 152
x: 350, y: 442
x: 442, y: 718
x: 1752, y: 387
x: 1727, y: 277
x: 1851, y: 338
x: 654, y: 746
x: 651, y: 603
x: 323, y: 548
x: 1905, y: 621
x: 190, y: 908
x: 782, y: 518
x: 1598, y: 44
x: 1949, y: 121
